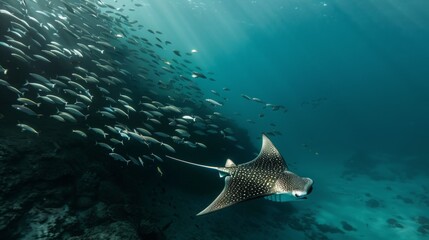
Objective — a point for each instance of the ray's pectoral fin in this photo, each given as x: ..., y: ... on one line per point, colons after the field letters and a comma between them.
x: 223, y: 200
x: 236, y: 190
x: 269, y: 158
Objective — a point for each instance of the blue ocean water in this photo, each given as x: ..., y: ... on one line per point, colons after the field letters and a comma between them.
x: 367, y: 58
x: 340, y: 87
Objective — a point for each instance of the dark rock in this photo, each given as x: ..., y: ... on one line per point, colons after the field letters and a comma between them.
x: 347, y: 226
x: 315, y: 235
x: 53, y: 223
x: 372, y: 203
x: 100, y: 210
x: 55, y: 196
x: 52, y: 168
x: 148, y: 230
x: 12, y: 210
x: 87, y: 184
x: 84, y: 202
x: 296, y: 224
x: 325, y: 228
x: 405, y: 199
x: 394, y: 223
x: 423, y: 229
x: 422, y: 220
x: 391, y: 221
x: 96, y: 215
x: 108, y: 192
x: 120, y: 230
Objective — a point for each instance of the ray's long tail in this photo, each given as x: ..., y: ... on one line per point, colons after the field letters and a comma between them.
x: 195, y: 164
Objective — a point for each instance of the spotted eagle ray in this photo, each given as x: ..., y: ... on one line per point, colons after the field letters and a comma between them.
x: 265, y: 176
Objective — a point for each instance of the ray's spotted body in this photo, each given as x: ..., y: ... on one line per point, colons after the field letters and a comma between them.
x: 265, y: 176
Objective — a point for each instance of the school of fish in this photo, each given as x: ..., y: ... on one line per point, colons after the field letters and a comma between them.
x: 86, y: 67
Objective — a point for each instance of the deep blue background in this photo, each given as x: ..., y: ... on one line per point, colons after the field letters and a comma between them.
x: 370, y: 59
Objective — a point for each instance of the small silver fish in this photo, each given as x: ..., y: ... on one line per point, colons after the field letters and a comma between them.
x: 214, y: 102
x: 98, y: 131
x: 105, y: 145
x: 25, y: 110
x: 25, y: 127
x: 80, y: 133
x: 187, y: 117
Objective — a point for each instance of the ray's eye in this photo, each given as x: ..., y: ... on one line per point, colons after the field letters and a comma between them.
x: 310, y: 189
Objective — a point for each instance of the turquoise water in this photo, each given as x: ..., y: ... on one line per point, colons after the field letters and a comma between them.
x: 368, y: 58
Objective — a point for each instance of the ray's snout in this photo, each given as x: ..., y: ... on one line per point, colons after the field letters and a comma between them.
x: 309, y: 186
x: 306, y: 189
